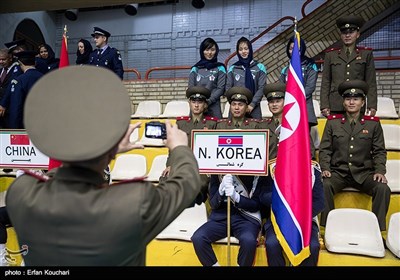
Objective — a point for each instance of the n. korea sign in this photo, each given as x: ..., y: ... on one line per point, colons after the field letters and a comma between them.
x: 231, y: 151
x: 17, y: 151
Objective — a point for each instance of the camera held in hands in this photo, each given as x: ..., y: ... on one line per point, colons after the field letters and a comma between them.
x: 156, y: 130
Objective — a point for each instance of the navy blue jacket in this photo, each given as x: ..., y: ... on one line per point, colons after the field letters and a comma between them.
x: 110, y: 58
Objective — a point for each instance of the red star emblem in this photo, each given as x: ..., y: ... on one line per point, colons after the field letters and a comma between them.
x: 286, y: 109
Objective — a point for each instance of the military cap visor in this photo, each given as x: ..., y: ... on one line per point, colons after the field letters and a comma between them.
x: 198, y: 93
x: 100, y: 32
x: 12, y: 45
x: 65, y: 112
x: 353, y: 88
x: 274, y: 91
x: 239, y: 94
x: 350, y: 22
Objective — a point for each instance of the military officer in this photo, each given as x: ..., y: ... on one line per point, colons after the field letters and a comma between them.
x: 239, y: 98
x: 198, y: 119
x: 19, y: 89
x: 350, y: 62
x: 243, y: 190
x: 353, y: 154
x: 67, y: 207
x: 275, y: 94
x: 104, y: 55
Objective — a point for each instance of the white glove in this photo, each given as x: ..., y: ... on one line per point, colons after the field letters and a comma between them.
x: 227, y: 180
x: 231, y: 192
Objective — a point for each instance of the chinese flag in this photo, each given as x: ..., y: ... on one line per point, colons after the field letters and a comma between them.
x: 64, y: 61
x: 19, y: 139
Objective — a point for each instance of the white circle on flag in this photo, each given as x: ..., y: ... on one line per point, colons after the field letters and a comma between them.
x: 292, y: 116
x: 228, y: 141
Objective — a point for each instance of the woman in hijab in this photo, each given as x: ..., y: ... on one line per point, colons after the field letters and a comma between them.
x: 46, y: 60
x: 210, y: 73
x: 83, y: 52
x: 249, y: 73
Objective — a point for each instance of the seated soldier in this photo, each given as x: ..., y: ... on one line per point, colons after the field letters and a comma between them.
x: 242, y: 190
x: 197, y: 119
x: 352, y: 153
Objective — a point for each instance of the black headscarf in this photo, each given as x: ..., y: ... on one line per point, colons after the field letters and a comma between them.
x: 303, y: 48
x: 249, y: 81
x: 203, y: 62
x: 45, y: 65
x: 84, y: 58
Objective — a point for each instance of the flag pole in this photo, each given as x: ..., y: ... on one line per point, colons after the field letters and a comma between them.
x: 228, y: 230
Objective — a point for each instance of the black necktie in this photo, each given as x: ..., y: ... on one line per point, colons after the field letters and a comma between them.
x: 348, y: 52
x: 195, y: 122
x: 237, y: 125
x: 3, y: 74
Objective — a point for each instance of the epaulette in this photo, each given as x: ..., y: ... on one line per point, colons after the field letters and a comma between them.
x: 137, y: 179
x: 335, y: 117
x: 183, y: 118
x: 36, y: 174
x: 209, y: 118
x: 332, y: 49
x: 223, y: 120
x: 364, y: 48
x: 369, y: 118
x: 269, y: 120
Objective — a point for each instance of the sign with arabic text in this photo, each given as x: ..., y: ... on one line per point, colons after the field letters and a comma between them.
x: 17, y: 151
x: 240, y: 152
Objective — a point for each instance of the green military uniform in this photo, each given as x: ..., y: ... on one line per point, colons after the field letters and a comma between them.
x: 353, y: 156
x: 75, y: 218
x: 338, y: 67
x: 271, y: 92
x: 274, y: 130
x: 187, y: 124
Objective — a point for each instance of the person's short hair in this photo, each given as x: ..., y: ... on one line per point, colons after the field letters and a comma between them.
x: 27, y: 57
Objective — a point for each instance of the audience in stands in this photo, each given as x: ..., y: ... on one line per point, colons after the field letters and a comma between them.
x: 352, y: 153
x: 83, y: 52
x: 243, y: 191
x: 198, y: 119
x: 65, y: 208
x: 249, y: 73
x: 210, y: 73
x: 19, y: 89
x: 46, y: 60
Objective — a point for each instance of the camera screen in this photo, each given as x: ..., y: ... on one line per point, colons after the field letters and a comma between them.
x: 153, y: 131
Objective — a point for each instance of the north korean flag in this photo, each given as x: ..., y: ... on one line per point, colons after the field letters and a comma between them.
x: 230, y: 141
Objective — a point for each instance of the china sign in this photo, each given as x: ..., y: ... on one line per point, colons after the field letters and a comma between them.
x: 17, y: 151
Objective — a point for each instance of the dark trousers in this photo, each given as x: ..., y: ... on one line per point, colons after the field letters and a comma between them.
x: 275, y: 253
x: 4, y: 224
x: 380, y: 193
x: 244, y: 230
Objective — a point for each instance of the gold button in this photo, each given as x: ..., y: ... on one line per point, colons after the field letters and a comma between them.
x: 351, y: 147
x: 347, y: 79
x: 350, y: 164
x: 352, y: 138
x: 351, y: 155
x: 347, y: 73
x: 348, y: 65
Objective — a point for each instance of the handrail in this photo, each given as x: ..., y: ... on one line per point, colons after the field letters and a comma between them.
x: 303, y: 8
x: 132, y: 70
x: 183, y: 67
